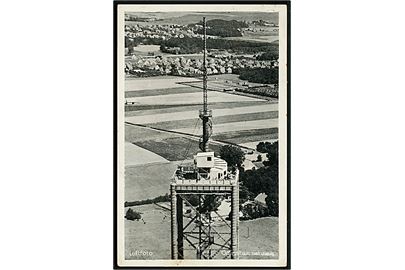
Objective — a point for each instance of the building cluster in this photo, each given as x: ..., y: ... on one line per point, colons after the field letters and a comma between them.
x: 192, y: 66
x: 163, y: 32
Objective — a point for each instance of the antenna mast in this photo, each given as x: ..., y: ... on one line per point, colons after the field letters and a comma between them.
x: 205, y: 114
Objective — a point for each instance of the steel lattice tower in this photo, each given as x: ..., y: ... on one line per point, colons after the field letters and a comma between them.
x: 207, y: 233
x: 205, y: 114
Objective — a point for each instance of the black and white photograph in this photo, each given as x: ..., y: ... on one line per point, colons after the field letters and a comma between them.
x: 202, y: 135
x: 190, y: 134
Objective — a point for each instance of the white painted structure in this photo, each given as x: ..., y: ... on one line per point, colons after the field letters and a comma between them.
x: 210, y: 167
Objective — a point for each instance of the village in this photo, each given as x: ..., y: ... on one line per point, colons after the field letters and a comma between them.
x: 160, y: 31
x: 220, y: 62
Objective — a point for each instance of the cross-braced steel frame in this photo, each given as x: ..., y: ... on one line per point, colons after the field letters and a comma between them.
x: 208, y: 234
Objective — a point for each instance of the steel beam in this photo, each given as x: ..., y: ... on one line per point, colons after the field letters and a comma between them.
x: 180, y: 229
x: 173, y: 205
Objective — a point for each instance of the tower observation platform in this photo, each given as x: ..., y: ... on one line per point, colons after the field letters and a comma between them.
x: 208, y: 233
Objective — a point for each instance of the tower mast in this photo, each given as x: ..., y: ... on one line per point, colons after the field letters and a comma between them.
x: 205, y: 98
x: 205, y: 114
x: 207, y: 179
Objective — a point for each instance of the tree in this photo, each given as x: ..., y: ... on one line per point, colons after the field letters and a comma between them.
x: 244, y: 194
x: 132, y: 215
x: 193, y: 199
x: 272, y: 155
x: 259, y: 75
x: 233, y: 155
x: 209, y: 203
x: 259, y: 158
x: 272, y: 204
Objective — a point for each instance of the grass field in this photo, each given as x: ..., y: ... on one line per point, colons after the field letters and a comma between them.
x: 174, y: 148
x: 159, y: 109
x: 168, y: 146
x: 147, y: 48
x: 153, y: 235
x: 259, y: 235
x: 186, y: 113
x: 221, y: 81
x: 245, y: 136
x: 236, y: 126
x: 267, y: 39
x: 188, y: 98
x: 158, y: 82
x: 136, y: 134
x: 170, y: 125
x: 148, y: 180
x: 132, y: 110
x: 135, y: 155
x: 159, y: 92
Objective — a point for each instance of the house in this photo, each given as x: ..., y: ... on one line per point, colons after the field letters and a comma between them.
x: 223, y: 209
x: 261, y: 199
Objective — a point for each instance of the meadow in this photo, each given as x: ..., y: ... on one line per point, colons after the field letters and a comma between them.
x: 188, y: 98
x: 180, y: 113
x: 175, y: 124
x: 152, y: 234
x: 158, y: 82
x: 148, y: 180
x: 159, y: 92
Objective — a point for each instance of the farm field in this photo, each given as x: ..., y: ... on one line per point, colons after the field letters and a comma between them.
x: 169, y: 146
x: 153, y: 154
x: 174, y: 148
x: 136, y: 134
x: 188, y: 98
x: 267, y: 39
x: 163, y: 116
x: 236, y: 126
x: 158, y: 82
x: 259, y: 235
x: 155, y: 180
x: 171, y: 125
x: 221, y: 82
x: 144, y: 50
x: 135, y: 155
x: 152, y: 235
x: 159, y: 92
x: 245, y: 136
x: 150, y: 110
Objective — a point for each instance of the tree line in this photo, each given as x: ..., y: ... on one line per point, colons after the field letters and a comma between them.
x: 258, y: 75
x: 163, y: 198
x: 223, y: 28
x: 195, y: 45
x: 188, y: 45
